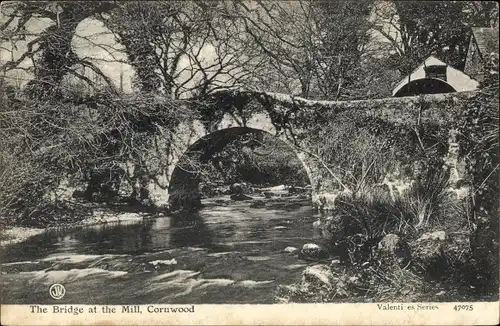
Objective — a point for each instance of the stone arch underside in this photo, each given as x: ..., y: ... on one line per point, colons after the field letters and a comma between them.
x: 183, y: 190
x: 425, y: 86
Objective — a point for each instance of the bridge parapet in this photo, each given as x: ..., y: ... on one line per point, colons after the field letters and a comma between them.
x: 338, y: 142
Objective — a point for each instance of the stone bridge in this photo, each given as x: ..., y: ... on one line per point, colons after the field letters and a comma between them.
x: 304, y: 125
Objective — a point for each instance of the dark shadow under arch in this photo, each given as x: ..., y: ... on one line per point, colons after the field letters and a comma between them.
x: 425, y: 86
x: 184, y: 183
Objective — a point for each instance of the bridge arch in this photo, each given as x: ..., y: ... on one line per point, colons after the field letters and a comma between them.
x: 185, y: 178
x: 424, y: 86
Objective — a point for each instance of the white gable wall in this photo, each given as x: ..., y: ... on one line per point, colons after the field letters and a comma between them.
x: 455, y: 78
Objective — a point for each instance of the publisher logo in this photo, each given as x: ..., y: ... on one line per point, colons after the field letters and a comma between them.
x: 57, y: 291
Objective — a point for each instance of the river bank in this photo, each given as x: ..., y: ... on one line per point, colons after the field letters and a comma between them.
x: 12, y: 234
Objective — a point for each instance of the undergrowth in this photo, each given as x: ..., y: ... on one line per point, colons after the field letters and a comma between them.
x: 415, y: 269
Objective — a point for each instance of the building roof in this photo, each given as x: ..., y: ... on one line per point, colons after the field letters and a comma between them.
x: 486, y: 39
x: 430, y: 61
x: 456, y: 78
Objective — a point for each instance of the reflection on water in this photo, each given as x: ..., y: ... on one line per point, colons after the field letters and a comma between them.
x: 222, y: 254
x: 189, y: 230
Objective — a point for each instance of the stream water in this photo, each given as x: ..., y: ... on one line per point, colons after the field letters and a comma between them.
x: 225, y: 253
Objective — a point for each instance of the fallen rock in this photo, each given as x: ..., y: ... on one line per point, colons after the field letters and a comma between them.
x: 290, y: 250
x: 311, y: 251
x: 292, y: 293
x: 315, y: 286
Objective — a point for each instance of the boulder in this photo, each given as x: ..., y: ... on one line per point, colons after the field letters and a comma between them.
x: 290, y: 250
x: 236, y: 189
x: 240, y: 188
x: 311, y: 251
x: 315, y: 286
x: 392, y: 249
x: 318, y: 276
x: 428, y: 251
x: 319, y: 283
x: 389, y: 243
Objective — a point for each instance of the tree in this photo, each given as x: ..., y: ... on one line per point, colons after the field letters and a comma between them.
x: 314, y: 48
x: 416, y: 30
x: 50, y: 51
x: 179, y: 49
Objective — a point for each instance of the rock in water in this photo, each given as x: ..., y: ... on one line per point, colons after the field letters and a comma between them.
x: 268, y: 194
x: 311, y: 251
x: 156, y: 263
x: 240, y: 197
x: 290, y: 250
x: 236, y: 189
x: 258, y: 203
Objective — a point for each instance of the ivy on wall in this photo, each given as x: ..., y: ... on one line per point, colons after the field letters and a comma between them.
x: 409, y: 132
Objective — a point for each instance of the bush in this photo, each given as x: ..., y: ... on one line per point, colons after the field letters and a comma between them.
x: 479, y: 140
x: 43, y: 143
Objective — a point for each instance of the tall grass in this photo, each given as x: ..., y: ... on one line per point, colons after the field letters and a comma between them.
x: 374, y: 213
x: 423, y: 202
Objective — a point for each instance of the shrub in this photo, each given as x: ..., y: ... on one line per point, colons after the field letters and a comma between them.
x: 43, y: 143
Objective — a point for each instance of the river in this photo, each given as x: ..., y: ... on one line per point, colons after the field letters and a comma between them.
x: 225, y: 253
